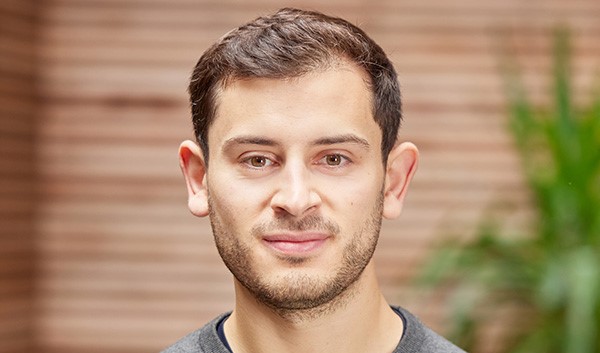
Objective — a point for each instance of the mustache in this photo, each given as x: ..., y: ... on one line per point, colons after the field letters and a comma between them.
x: 308, y: 223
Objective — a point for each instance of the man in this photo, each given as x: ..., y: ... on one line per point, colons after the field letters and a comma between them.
x: 296, y: 116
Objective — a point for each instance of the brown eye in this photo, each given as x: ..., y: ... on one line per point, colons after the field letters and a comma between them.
x: 258, y: 161
x: 333, y: 159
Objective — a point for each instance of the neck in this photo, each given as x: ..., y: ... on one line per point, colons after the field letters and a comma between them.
x: 358, y: 320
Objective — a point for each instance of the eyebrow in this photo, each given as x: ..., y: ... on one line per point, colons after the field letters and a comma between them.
x: 247, y: 140
x: 346, y: 138
x: 329, y: 140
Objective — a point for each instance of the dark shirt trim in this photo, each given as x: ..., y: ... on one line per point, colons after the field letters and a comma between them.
x: 221, y: 332
x: 417, y: 338
x: 223, y: 338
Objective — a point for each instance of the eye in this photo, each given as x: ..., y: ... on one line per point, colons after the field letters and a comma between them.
x: 258, y: 161
x: 333, y: 159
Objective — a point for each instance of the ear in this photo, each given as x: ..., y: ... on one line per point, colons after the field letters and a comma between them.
x: 193, y: 167
x: 401, y: 166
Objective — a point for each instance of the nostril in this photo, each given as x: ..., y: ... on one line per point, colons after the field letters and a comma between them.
x: 295, y: 203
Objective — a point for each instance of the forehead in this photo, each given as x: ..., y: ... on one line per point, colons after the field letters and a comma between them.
x: 336, y: 100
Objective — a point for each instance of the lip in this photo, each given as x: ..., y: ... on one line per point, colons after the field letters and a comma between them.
x: 295, y: 243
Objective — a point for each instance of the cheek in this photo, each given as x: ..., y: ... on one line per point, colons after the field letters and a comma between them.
x: 234, y: 200
x: 355, y: 192
x: 353, y: 206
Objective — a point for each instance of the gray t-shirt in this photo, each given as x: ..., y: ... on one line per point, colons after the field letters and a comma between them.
x: 417, y: 338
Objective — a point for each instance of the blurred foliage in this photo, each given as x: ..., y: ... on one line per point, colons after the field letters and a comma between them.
x: 553, y: 275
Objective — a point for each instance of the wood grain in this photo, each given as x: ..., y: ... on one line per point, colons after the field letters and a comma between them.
x: 17, y: 175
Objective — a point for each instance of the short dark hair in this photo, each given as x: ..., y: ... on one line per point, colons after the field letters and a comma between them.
x: 287, y: 44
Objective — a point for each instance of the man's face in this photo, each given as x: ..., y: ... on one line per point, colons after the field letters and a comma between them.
x: 295, y: 184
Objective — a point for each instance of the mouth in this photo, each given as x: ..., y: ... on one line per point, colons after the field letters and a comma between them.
x: 299, y: 244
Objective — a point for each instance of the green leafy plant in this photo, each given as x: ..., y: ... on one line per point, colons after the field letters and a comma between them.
x: 552, y: 275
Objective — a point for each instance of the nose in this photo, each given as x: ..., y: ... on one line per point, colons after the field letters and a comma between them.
x: 295, y: 193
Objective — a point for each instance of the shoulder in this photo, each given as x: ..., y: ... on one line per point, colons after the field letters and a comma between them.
x: 419, y: 338
x: 203, y: 340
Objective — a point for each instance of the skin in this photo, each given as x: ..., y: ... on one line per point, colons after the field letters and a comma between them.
x: 296, y: 191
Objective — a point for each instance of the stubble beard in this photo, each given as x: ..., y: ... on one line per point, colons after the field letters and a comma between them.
x: 296, y: 295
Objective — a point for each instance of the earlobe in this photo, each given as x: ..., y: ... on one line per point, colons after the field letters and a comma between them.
x: 401, y: 166
x: 193, y: 168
